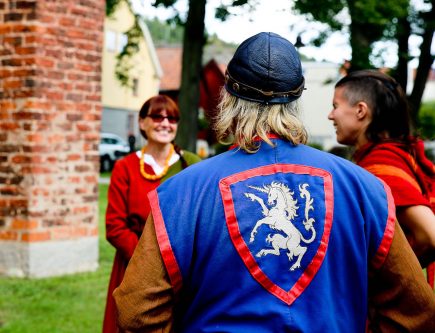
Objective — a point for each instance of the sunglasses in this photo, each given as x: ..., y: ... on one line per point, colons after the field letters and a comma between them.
x: 158, y: 118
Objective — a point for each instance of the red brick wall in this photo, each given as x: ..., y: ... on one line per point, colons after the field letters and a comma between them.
x: 50, y: 111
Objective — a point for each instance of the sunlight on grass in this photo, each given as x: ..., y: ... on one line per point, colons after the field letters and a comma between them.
x: 73, y: 303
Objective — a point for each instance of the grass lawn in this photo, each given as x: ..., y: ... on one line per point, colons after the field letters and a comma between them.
x: 70, y: 304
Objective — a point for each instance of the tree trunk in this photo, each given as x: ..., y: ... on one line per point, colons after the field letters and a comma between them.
x: 361, y: 48
x: 403, y: 33
x: 360, y: 40
x: 188, y: 100
x: 424, y: 64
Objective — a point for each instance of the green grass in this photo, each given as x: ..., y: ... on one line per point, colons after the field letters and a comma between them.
x: 72, y: 304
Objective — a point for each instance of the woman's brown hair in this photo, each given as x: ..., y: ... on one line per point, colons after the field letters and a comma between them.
x: 156, y: 104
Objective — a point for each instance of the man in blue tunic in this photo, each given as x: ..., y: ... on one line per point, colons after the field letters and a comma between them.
x: 272, y: 236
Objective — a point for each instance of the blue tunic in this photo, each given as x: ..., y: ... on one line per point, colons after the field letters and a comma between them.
x: 277, y: 241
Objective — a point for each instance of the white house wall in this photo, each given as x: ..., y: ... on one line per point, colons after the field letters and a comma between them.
x: 316, y: 102
x: 121, y: 104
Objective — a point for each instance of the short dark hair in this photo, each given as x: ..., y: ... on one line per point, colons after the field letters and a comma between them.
x: 386, y: 99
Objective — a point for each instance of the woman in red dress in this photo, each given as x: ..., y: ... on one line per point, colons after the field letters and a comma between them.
x: 132, y: 178
x: 370, y: 112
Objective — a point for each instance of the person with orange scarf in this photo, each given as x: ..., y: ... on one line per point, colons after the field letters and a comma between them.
x: 370, y: 112
x: 132, y: 178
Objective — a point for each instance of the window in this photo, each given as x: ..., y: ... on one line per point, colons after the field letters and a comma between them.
x: 135, y: 87
x: 122, y: 41
x: 110, y: 40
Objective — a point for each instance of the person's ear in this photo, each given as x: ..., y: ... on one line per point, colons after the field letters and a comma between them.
x: 362, y: 110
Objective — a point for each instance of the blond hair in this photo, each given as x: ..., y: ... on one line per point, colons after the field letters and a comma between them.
x: 241, y: 122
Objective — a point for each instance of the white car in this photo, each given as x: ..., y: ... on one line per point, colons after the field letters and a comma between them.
x: 111, y: 148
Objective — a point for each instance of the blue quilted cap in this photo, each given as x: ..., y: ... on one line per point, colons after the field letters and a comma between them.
x: 266, y: 69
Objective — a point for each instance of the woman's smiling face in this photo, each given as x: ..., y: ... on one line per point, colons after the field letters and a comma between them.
x: 159, y: 128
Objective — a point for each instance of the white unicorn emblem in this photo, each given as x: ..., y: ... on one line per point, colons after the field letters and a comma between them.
x: 283, y: 210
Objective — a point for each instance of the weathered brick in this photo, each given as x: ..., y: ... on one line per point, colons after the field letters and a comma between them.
x: 11, y: 62
x: 8, y: 235
x: 13, y: 17
x: 9, y: 148
x: 19, y: 159
x: 9, y: 126
x: 23, y: 115
x: 50, y: 100
x: 35, y: 236
x: 83, y: 127
x: 12, y: 83
x: 74, y: 116
x: 13, y: 40
x: 20, y: 224
x: 25, y: 5
x: 25, y: 50
x: 60, y: 233
x: 9, y: 191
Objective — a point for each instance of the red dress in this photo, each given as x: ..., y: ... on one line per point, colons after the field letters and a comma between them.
x: 127, y: 211
x: 410, y: 177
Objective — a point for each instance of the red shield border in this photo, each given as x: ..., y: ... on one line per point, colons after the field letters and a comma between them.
x: 286, y: 296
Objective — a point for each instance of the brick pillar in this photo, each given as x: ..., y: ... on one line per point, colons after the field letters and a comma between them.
x: 50, y: 114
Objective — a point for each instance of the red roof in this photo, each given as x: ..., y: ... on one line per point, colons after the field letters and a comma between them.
x: 212, y: 80
x: 170, y: 58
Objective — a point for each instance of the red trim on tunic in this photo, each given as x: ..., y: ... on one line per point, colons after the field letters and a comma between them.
x: 243, y: 250
x: 164, y: 243
x: 384, y: 248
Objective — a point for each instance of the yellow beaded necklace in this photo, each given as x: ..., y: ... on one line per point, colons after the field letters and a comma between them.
x: 165, y: 168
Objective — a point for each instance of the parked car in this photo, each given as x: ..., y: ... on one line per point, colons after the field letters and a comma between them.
x: 111, y: 148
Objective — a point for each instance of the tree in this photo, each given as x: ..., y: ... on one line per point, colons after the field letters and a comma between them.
x: 425, y: 61
x: 134, y: 35
x: 194, y: 39
x: 372, y: 21
x: 369, y: 21
x: 193, y: 45
x: 188, y: 100
x: 165, y: 33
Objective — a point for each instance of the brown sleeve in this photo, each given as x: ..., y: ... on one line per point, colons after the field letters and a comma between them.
x: 400, y: 299
x: 145, y: 296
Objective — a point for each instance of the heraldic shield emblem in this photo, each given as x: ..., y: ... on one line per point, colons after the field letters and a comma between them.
x: 279, y: 218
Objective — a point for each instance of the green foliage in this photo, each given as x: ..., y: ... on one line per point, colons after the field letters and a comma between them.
x: 426, y: 121
x: 67, y: 304
x: 223, y: 11
x: 165, y: 32
x: 324, y: 11
x: 316, y: 145
x: 111, y: 6
x: 165, y: 3
x: 370, y: 21
x: 124, y: 62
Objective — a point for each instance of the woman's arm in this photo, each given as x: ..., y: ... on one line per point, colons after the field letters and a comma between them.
x: 118, y: 232
x: 145, y: 297
x: 418, y: 222
x: 400, y: 299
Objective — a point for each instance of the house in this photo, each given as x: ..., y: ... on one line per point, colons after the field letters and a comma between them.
x: 121, y: 104
x: 316, y: 102
x: 212, y: 80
